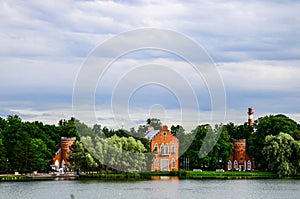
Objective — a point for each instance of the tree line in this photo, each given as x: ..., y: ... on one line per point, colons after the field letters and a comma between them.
x: 272, y: 141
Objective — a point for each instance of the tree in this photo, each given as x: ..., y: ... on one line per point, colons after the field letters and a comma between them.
x: 264, y: 126
x: 38, y: 154
x: 118, y: 153
x: 68, y: 128
x: 239, y: 131
x: 155, y: 123
x: 282, y: 154
x: 3, y: 158
x: 217, y: 155
x: 21, y: 154
x: 12, y: 132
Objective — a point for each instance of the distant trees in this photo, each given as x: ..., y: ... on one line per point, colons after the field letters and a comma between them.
x: 273, y: 142
x: 30, y: 146
x: 155, y: 123
x: 217, y: 155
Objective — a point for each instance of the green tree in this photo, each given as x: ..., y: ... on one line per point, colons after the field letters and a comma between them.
x: 38, y: 154
x: 119, y: 153
x: 68, y: 128
x: 155, y: 123
x: 77, y: 157
x: 282, y: 154
x: 239, y: 131
x: 264, y: 126
x: 3, y: 158
x: 12, y: 133
x: 217, y: 156
x: 22, y: 154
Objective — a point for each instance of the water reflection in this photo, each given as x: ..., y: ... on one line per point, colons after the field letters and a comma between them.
x: 158, y: 187
x: 168, y: 178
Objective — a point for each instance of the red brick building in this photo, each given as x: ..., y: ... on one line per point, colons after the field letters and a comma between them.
x: 239, y: 160
x: 60, y: 161
x: 166, y: 148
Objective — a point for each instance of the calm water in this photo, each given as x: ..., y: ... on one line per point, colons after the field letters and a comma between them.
x: 166, y: 188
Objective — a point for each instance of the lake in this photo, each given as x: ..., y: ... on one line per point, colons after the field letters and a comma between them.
x: 159, y: 188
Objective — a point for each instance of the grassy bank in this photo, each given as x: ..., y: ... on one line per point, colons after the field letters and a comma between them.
x: 216, y: 175
x: 229, y: 175
x: 183, y: 175
x: 12, y: 178
x: 149, y: 175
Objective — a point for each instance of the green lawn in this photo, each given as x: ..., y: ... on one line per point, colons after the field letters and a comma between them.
x: 215, y: 175
x: 230, y: 175
x: 184, y: 175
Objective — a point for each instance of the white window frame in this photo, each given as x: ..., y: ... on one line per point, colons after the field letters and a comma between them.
x: 229, y: 165
x: 235, y: 165
x: 249, y: 165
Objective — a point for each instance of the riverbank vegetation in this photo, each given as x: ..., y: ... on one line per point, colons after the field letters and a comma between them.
x: 183, y: 175
x: 273, y: 142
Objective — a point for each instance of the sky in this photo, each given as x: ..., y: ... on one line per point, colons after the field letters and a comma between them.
x: 253, y: 45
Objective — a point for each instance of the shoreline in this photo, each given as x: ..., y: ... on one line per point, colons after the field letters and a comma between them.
x: 180, y: 175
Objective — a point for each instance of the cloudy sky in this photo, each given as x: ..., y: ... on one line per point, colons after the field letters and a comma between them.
x: 254, y: 45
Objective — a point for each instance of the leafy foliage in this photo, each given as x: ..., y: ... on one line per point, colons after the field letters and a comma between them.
x: 264, y: 126
x: 120, y: 153
x: 282, y: 154
x: 30, y: 146
x: 219, y: 153
x: 273, y: 142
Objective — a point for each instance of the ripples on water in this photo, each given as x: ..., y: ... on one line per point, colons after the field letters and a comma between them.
x: 158, y: 188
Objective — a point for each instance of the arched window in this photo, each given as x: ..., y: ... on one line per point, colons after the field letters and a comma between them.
x: 167, y: 149
x: 235, y: 165
x: 155, y: 148
x: 173, y: 163
x: 173, y: 148
x: 229, y: 165
x: 249, y: 165
x: 156, y: 163
x: 162, y: 149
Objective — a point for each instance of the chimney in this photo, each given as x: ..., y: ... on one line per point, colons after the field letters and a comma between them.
x: 250, y: 116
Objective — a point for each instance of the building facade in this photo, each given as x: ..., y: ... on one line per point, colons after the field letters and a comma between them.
x: 166, y: 149
x: 60, y: 160
x: 239, y: 160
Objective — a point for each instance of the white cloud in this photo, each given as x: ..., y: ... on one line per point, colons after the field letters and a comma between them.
x: 255, y: 44
x: 261, y: 75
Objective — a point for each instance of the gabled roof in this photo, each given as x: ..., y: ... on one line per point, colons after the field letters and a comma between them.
x: 150, y: 134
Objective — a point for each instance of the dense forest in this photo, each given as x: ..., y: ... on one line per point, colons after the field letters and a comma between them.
x: 273, y: 141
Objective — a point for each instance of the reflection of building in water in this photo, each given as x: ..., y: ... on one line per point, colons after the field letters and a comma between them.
x: 165, y: 147
x: 239, y: 160
x: 60, y: 161
x: 167, y: 178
